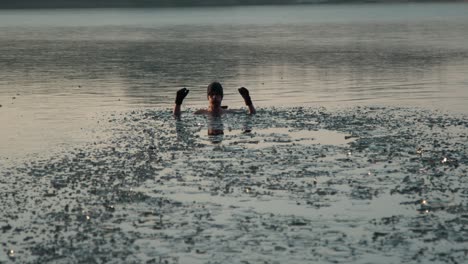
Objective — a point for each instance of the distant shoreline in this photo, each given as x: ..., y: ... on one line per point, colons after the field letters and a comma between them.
x: 59, y: 4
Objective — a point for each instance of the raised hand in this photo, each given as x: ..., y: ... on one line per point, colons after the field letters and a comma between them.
x: 245, y: 94
x: 181, y: 94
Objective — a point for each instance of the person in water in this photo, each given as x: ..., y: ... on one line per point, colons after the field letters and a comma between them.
x: 215, y: 97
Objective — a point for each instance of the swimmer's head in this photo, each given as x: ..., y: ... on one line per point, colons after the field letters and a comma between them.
x: 214, y: 88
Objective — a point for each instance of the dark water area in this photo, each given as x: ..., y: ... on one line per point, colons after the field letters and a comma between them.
x: 357, y: 153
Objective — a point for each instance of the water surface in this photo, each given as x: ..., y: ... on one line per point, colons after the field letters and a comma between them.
x: 94, y: 168
x: 61, y: 68
x: 158, y: 190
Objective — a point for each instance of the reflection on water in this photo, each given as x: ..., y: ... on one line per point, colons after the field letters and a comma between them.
x: 63, y: 65
x: 215, y: 126
x: 341, y: 53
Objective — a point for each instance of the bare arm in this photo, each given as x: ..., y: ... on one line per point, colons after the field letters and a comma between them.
x: 177, y: 110
x: 252, y: 110
x: 248, y: 101
x: 181, y: 94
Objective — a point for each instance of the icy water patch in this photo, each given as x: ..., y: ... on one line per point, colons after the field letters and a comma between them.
x: 269, y: 137
x: 288, y: 185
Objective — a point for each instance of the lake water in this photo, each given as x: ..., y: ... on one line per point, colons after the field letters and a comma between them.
x: 372, y: 168
x: 61, y: 67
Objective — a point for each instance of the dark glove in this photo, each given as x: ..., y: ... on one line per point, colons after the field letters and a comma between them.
x: 181, y: 95
x: 245, y: 94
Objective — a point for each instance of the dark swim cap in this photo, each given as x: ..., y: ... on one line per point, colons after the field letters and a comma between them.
x: 214, y: 88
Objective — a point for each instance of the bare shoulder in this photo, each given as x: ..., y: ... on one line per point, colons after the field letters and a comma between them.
x: 224, y: 111
x: 234, y: 111
x: 201, y: 112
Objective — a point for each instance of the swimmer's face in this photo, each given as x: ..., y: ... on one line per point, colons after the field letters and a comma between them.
x: 215, y: 99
